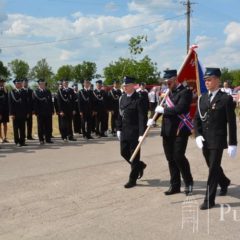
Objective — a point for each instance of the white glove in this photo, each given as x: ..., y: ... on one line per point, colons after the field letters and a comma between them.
x: 140, y: 138
x: 199, y: 141
x: 119, y: 135
x: 232, y: 151
x: 159, y: 109
x: 150, y: 122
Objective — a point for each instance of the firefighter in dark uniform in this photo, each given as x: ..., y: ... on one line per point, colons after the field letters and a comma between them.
x: 113, y: 104
x: 175, y: 133
x: 76, y: 117
x: 4, y: 111
x: 29, y: 120
x: 43, y: 108
x: 130, y: 128
x: 18, y: 110
x: 65, y: 100
x: 86, y: 108
x: 214, y: 120
x: 143, y: 93
x: 100, y: 103
x: 56, y: 108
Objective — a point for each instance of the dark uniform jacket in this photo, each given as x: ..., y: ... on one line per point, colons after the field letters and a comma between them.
x: 4, y: 111
x: 75, y: 100
x: 86, y: 101
x: 65, y: 100
x: 42, y: 102
x: 18, y: 104
x: 113, y: 99
x: 29, y: 95
x: 213, y: 127
x: 181, y: 98
x: 132, y: 117
x: 100, y: 100
x: 144, y: 95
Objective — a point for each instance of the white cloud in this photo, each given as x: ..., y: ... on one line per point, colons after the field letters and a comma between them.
x: 65, y: 55
x: 77, y: 15
x: 123, y: 38
x: 204, y: 41
x: 153, y: 6
x: 222, y: 57
x: 111, y: 6
x: 18, y: 28
x: 232, y: 31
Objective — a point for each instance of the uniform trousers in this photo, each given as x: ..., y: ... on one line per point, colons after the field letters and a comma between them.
x: 114, y: 118
x: 77, y: 123
x: 19, y: 130
x: 66, y: 126
x: 44, y: 127
x: 216, y: 175
x: 127, y: 148
x: 101, y: 122
x: 86, y: 123
x: 175, y: 148
x: 29, y: 126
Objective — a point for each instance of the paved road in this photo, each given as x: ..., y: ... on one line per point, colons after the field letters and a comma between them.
x: 75, y: 191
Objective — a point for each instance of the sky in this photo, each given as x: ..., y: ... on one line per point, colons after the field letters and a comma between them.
x: 73, y: 31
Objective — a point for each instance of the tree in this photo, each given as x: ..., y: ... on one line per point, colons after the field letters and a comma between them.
x: 236, y: 77
x: 86, y: 70
x: 232, y: 76
x: 4, y: 72
x: 65, y: 71
x: 19, y: 68
x: 226, y: 75
x: 43, y: 70
x: 143, y: 70
x: 135, y: 44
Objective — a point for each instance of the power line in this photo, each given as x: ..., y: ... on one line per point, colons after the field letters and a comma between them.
x: 95, y: 35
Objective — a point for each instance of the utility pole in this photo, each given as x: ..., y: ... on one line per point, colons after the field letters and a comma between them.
x: 188, y: 13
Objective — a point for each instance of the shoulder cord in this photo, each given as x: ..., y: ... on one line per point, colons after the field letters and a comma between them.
x: 64, y: 99
x: 14, y: 99
x: 84, y: 98
x: 114, y: 97
x: 120, y: 111
x: 98, y: 98
x: 203, y: 117
x: 38, y: 98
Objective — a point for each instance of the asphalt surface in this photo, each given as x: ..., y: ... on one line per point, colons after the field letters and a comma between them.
x: 75, y: 191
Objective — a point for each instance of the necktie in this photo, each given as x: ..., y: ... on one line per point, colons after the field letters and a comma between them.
x: 209, y: 98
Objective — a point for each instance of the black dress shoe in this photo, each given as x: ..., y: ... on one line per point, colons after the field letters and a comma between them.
x: 188, y: 189
x: 224, y: 190
x: 130, y: 184
x: 49, y: 141
x: 206, y: 205
x: 30, y: 138
x: 72, y: 139
x: 141, y: 171
x: 103, y: 135
x: 90, y: 137
x: 22, y: 144
x: 172, y: 190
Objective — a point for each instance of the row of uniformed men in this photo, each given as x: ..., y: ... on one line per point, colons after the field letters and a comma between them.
x: 86, y: 110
